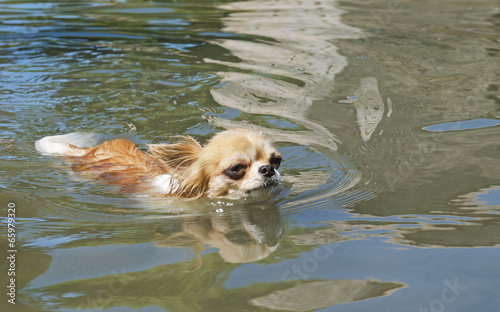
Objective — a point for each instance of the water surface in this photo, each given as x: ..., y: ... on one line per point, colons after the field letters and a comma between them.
x: 386, y: 113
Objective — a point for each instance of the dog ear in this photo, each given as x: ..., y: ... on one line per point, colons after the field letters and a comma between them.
x: 193, y: 184
x: 181, y: 161
x: 176, y: 158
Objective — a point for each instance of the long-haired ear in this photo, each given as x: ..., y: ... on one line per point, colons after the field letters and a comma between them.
x: 193, y: 184
x: 176, y: 158
x: 181, y: 161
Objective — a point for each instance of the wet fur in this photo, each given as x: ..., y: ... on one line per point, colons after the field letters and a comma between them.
x: 120, y: 162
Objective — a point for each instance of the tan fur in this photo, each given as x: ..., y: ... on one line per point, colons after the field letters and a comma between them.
x: 199, y: 170
x: 119, y: 162
x: 178, y: 160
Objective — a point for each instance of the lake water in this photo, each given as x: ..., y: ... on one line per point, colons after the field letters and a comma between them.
x: 386, y: 113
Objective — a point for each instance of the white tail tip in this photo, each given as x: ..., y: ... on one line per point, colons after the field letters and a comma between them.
x: 59, y: 144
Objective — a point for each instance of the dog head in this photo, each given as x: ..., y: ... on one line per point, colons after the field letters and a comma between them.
x: 234, y: 163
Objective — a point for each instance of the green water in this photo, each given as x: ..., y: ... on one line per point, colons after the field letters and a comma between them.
x: 386, y: 114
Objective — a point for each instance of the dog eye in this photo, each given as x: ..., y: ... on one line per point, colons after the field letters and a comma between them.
x: 275, y: 161
x: 236, y: 172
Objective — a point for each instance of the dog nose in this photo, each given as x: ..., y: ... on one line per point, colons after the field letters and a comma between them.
x: 267, y: 171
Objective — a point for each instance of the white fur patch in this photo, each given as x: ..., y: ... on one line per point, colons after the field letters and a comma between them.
x: 165, y: 184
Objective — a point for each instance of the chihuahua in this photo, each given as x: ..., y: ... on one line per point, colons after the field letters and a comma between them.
x: 234, y: 163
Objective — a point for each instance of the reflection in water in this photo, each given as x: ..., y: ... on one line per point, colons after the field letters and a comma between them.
x: 300, y: 53
x: 464, y: 125
x: 322, y: 294
x: 473, y: 225
x: 240, y: 235
x: 387, y: 200
x: 481, y: 201
x: 107, y: 272
x: 369, y: 107
x: 283, y: 74
x: 113, y: 274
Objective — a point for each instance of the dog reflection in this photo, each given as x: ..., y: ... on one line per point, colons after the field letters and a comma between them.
x: 246, y: 235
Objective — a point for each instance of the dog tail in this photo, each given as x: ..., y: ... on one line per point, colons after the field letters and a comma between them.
x: 71, y: 144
